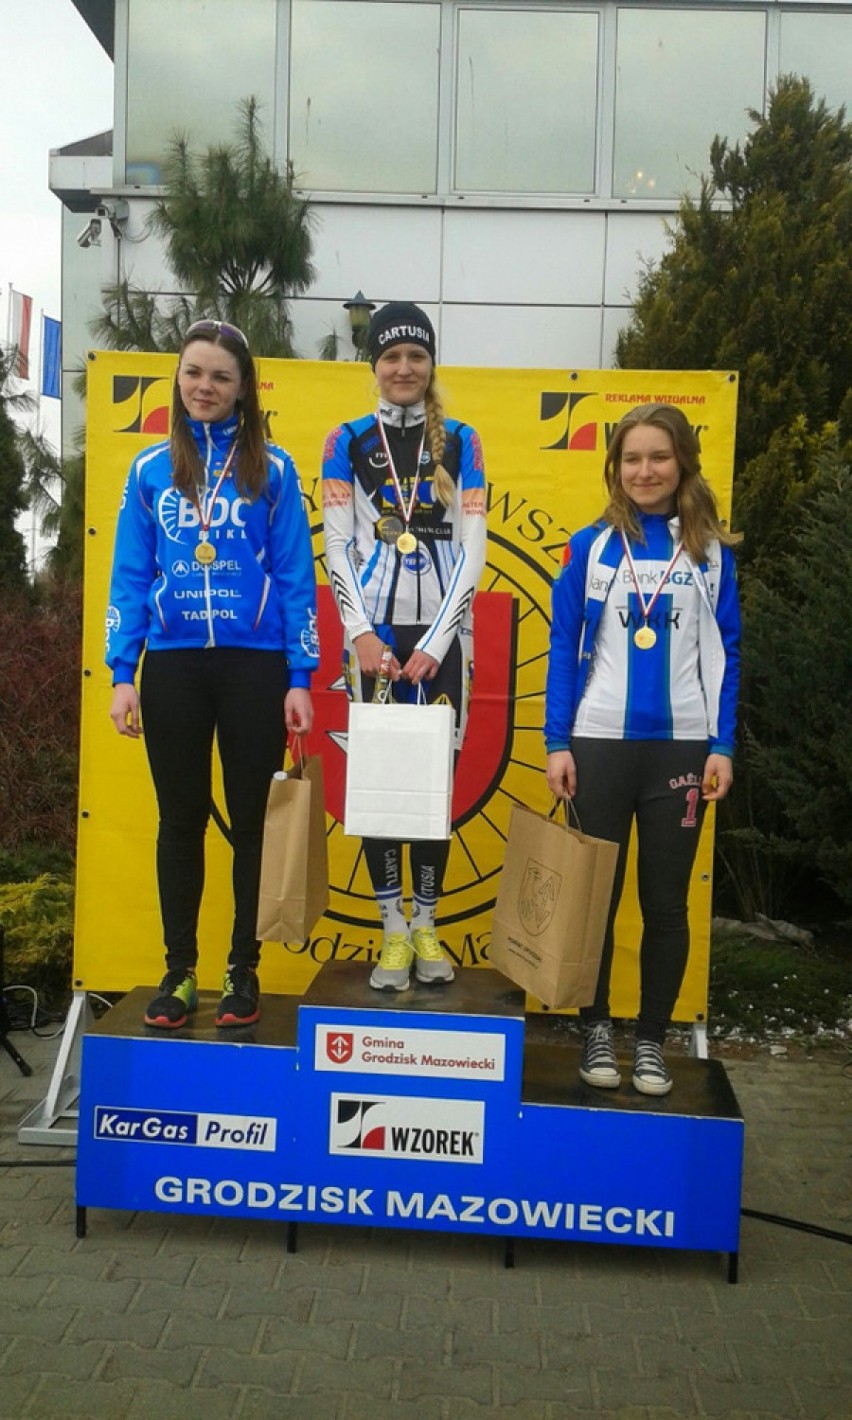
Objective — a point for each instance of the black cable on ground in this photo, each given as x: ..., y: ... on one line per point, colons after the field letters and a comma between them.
x: 37, y: 1163
x: 795, y: 1223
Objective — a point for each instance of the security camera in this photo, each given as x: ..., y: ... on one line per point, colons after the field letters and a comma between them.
x: 91, y: 234
x: 114, y: 210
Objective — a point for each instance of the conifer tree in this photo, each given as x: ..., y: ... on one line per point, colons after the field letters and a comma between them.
x: 758, y: 278
x: 54, y: 489
x: 801, y: 747
x: 238, y: 240
x: 13, y: 558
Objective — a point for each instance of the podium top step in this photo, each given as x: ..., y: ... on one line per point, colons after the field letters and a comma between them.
x: 474, y: 992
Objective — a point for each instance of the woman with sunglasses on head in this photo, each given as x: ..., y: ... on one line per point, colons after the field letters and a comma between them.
x: 641, y: 703
x: 213, y: 577
x: 404, y: 512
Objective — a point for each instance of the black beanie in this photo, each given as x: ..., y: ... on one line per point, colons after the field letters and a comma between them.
x: 399, y: 323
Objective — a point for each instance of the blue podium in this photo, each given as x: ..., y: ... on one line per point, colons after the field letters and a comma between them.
x: 428, y: 1109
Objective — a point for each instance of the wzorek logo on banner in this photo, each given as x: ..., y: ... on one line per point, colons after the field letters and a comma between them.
x: 407, y: 1127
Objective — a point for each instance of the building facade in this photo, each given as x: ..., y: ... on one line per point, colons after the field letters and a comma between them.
x: 510, y: 166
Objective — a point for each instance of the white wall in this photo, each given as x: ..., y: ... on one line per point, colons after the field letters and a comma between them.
x: 546, y: 288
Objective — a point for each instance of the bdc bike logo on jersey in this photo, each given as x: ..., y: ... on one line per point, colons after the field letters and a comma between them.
x: 223, y: 511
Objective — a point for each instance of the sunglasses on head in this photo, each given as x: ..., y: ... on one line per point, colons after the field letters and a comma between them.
x: 221, y: 327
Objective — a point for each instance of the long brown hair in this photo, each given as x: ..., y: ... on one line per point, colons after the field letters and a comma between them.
x: 694, y: 498
x: 250, y: 468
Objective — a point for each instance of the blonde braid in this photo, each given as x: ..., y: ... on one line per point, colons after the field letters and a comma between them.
x: 436, y: 433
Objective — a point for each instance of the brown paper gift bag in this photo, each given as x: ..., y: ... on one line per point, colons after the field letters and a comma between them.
x: 551, y: 910
x: 294, y: 866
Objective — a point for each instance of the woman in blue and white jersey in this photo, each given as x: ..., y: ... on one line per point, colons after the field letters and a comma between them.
x: 213, y: 578
x: 641, y: 702
x: 404, y: 513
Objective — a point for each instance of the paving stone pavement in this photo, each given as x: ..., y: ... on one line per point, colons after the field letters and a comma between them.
x: 184, y: 1317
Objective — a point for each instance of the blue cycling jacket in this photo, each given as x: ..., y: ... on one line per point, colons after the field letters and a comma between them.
x: 259, y: 593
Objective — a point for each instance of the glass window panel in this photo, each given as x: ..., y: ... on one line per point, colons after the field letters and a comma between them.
x: 190, y: 62
x: 526, y: 101
x: 682, y: 76
x: 364, y: 95
x: 820, y: 48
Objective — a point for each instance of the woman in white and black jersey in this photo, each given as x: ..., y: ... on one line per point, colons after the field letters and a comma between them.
x: 641, y: 703
x: 404, y: 514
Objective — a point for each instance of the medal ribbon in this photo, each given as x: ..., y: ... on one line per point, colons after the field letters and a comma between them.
x: 648, y: 607
x: 210, y: 496
x: 406, y: 512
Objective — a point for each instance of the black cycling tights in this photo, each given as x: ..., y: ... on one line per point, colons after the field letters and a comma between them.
x: 428, y: 865
x: 187, y: 697
x: 657, y: 783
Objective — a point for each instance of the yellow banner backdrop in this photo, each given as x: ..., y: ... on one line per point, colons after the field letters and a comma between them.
x: 544, y: 433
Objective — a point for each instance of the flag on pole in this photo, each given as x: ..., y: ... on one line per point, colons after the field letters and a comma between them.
x: 51, y: 356
x: 22, y: 315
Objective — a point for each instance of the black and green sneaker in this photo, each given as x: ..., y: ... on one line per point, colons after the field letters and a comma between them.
x: 177, y: 997
x: 240, y: 1003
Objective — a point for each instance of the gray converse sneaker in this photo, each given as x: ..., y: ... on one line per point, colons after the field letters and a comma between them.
x: 599, y: 1066
x: 650, y: 1076
x: 393, y: 968
x: 430, y: 964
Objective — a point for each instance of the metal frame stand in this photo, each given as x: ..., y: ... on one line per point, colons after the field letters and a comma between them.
x: 698, y: 1040
x: 54, y: 1119
x: 6, y: 1043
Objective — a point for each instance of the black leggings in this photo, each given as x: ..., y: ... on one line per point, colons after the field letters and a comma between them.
x: 657, y: 782
x: 429, y: 857
x: 186, y: 698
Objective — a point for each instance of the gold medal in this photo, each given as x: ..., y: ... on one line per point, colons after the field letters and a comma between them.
x: 405, y: 540
x: 646, y: 637
x: 205, y: 502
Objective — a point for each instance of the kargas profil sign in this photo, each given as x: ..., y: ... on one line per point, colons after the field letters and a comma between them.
x: 256, y: 1133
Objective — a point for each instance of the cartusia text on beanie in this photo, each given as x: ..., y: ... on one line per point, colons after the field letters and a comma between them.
x: 399, y: 323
